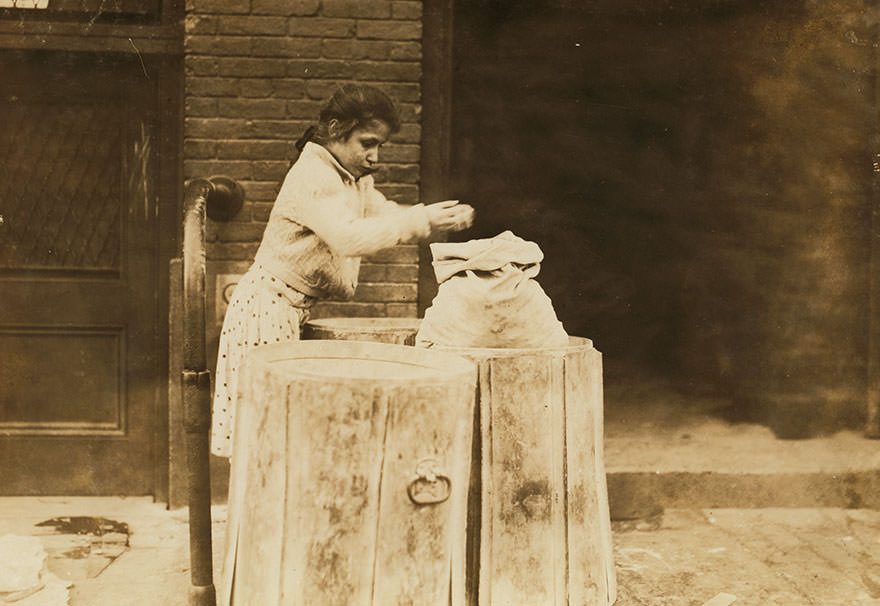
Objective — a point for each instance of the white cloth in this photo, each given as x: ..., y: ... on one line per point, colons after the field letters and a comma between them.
x: 488, y: 297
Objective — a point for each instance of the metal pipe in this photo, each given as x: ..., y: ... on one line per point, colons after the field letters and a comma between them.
x: 220, y: 198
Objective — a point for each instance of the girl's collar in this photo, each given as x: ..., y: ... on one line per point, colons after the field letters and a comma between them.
x: 324, y: 154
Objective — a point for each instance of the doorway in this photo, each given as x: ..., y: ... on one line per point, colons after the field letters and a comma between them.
x: 696, y: 175
x: 80, y: 273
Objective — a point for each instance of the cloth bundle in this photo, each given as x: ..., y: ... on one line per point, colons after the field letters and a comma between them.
x: 488, y: 296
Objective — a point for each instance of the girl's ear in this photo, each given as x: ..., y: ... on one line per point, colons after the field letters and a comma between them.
x: 333, y: 128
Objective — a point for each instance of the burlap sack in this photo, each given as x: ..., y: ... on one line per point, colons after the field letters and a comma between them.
x: 488, y: 296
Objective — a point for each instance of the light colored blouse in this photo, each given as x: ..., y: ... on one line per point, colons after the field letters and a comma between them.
x: 324, y: 220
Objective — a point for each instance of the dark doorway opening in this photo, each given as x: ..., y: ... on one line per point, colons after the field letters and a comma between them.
x: 696, y: 176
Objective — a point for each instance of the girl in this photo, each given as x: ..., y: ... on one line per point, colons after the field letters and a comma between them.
x: 326, y: 216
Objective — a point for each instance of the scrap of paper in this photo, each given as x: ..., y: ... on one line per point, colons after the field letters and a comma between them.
x: 722, y: 599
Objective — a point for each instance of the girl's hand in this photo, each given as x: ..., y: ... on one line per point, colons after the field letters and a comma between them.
x: 449, y: 215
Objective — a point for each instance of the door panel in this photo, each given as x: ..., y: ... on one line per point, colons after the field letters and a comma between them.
x: 78, y: 258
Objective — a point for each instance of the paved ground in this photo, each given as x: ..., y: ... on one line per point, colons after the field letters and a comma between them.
x: 762, y: 557
x: 671, y: 450
x: 723, y: 538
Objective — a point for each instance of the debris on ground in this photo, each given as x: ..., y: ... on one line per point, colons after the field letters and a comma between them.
x: 81, y: 547
x: 722, y: 599
x: 871, y: 579
x: 25, y: 579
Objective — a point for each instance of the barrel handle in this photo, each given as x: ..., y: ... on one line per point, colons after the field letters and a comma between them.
x: 428, y: 486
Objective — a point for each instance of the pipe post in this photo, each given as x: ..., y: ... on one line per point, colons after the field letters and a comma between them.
x: 219, y: 198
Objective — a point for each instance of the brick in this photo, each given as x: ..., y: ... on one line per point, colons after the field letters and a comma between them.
x: 201, y: 66
x: 388, y: 70
x: 403, y: 92
x: 372, y: 272
x: 307, y: 110
x: 270, y: 170
x: 253, y: 68
x: 403, y: 173
x: 366, y: 9
x: 289, y: 88
x: 232, y: 251
x: 401, y: 273
x: 258, y: 193
x: 367, y: 291
x: 285, y: 7
x: 320, y: 89
x: 229, y: 7
x: 404, y: 51
x: 199, y: 148
x: 403, y: 253
x: 256, y: 87
x: 320, y: 68
x: 200, y: 24
x: 218, y: 45
x: 251, y: 150
x: 205, y: 168
x: 402, y: 310
x: 390, y: 30
x: 408, y: 133
x: 201, y: 106
x: 397, y: 152
x: 251, y: 108
x: 285, y: 46
x: 213, y: 128
x: 212, y: 87
x: 321, y: 27
x: 237, y: 231
x: 397, y: 173
x: 274, y: 129
x: 260, y: 210
x: 267, y: 26
x: 406, y: 10
x: 410, y: 112
x: 356, y: 49
x: 336, y: 309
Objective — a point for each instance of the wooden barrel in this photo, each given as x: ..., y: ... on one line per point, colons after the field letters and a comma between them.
x: 401, y: 331
x: 349, y: 476
x: 542, y: 531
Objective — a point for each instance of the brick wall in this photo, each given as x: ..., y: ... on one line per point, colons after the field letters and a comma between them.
x: 256, y: 74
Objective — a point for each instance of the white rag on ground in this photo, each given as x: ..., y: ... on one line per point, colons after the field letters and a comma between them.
x: 488, y: 296
x: 24, y: 578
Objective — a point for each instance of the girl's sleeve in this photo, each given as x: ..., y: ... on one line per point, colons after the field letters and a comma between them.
x: 378, y: 204
x: 350, y: 236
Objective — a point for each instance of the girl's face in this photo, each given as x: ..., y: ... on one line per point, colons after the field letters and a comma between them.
x: 359, y: 153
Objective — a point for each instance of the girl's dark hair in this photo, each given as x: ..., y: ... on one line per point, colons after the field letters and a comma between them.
x: 352, y: 106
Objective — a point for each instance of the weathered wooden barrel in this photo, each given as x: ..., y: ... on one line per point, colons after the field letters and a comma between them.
x: 542, y: 531
x: 349, y: 476
x: 401, y: 331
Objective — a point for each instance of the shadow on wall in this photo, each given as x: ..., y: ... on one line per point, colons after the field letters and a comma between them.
x: 696, y: 176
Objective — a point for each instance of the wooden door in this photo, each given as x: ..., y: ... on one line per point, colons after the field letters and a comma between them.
x: 79, y: 370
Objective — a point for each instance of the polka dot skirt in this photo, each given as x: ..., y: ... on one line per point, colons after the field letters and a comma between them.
x: 263, y: 310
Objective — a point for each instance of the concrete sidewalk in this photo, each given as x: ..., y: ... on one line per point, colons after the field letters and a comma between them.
x: 683, y: 557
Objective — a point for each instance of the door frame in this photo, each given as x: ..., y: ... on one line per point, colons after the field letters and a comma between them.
x: 872, y: 409
x: 170, y: 165
x: 436, y: 148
